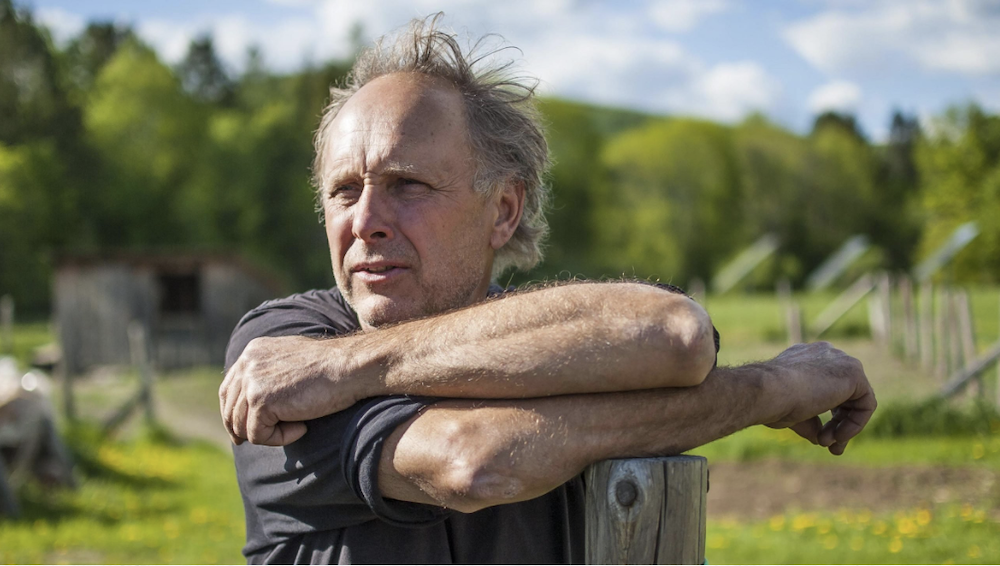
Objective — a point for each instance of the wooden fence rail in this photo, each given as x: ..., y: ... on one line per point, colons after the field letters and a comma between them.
x: 646, y: 511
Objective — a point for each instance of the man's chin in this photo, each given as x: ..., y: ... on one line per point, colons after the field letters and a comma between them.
x: 376, y: 310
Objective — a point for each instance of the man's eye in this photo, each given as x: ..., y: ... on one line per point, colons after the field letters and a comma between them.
x: 412, y: 185
x: 343, y: 191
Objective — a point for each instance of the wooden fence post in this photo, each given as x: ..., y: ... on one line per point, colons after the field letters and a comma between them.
x: 926, y: 326
x: 138, y: 342
x: 910, y: 333
x: 8, y: 500
x: 941, y: 367
x: 646, y: 511
x: 7, y: 324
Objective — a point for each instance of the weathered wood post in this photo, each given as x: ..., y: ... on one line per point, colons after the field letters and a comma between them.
x: 7, y: 324
x: 910, y: 333
x: 941, y: 333
x: 647, y: 511
x: 8, y: 501
x: 139, y: 349
x: 926, y: 326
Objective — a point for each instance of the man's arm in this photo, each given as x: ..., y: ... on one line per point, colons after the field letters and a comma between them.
x: 470, y: 455
x: 583, y: 338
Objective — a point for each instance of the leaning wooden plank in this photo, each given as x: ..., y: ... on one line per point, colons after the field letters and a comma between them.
x: 972, y: 370
x: 842, y: 304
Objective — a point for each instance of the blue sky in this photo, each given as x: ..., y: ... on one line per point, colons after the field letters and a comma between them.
x: 719, y: 59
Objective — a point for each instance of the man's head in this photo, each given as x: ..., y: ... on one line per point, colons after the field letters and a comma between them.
x: 431, y: 173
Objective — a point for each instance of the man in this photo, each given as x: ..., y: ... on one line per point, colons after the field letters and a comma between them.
x: 442, y: 419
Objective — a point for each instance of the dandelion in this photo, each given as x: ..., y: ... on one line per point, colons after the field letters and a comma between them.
x: 879, y: 528
x: 974, y: 551
x: 777, y: 522
x: 830, y: 542
x: 978, y: 451
x: 966, y: 511
x: 923, y: 517
x: 199, y: 515
x: 803, y: 522
x: 896, y: 545
x: 906, y: 527
x: 824, y: 527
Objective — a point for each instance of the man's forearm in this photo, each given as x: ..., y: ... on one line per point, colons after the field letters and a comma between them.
x: 469, y: 455
x: 583, y: 338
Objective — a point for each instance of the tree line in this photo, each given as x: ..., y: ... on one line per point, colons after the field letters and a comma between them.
x: 104, y: 146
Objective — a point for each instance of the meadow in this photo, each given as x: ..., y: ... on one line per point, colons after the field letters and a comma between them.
x: 922, y: 485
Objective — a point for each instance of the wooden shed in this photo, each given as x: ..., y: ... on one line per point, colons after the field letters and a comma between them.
x: 189, y: 303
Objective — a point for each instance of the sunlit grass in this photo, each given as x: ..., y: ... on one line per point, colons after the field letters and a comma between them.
x: 758, y: 443
x: 149, y: 500
x: 952, y: 534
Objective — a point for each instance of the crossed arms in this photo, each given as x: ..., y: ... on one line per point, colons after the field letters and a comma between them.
x: 542, y: 383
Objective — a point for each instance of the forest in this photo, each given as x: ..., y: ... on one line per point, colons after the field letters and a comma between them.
x: 104, y: 146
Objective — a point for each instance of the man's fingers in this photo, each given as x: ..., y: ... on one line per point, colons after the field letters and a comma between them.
x: 240, y: 411
x: 808, y: 429
x: 267, y: 430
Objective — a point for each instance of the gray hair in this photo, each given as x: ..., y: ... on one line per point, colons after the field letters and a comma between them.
x: 505, y: 128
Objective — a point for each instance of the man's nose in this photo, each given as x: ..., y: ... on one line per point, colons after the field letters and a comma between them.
x: 373, y: 215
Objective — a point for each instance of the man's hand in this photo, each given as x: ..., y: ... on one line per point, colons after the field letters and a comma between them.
x: 812, y: 379
x: 277, y: 383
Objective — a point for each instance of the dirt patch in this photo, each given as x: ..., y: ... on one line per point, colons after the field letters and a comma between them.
x: 758, y: 490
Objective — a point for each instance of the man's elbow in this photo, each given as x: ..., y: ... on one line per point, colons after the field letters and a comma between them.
x: 460, y: 466
x: 688, y: 341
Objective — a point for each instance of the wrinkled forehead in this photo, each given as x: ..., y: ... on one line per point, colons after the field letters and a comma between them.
x: 402, y: 107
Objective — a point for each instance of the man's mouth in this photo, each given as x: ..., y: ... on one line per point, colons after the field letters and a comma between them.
x: 377, y: 272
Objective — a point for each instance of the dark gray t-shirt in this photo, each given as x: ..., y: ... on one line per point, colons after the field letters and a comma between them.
x: 317, y: 500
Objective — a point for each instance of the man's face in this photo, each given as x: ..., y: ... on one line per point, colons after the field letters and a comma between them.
x: 408, y: 235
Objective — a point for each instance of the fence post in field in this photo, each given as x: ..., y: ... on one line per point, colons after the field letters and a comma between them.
x: 7, y: 324
x: 791, y: 310
x: 138, y: 341
x: 8, y: 501
x: 646, y: 511
x: 910, y: 333
x: 926, y: 328
x: 941, y: 367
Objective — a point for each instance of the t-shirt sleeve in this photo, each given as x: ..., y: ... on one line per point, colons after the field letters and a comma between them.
x: 363, y: 440
x: 328, y: 478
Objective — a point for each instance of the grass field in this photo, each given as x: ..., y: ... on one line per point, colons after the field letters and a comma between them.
x: 153, y: 497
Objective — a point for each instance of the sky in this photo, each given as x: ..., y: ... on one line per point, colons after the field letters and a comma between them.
x: 717, y: 59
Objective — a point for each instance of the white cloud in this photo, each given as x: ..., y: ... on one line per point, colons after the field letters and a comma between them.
x: 959, y: 36
x: 729, y: 91
x: 62, y: 24
x: 839, y: 96
x: 684, y: 15
x: 589, y: 51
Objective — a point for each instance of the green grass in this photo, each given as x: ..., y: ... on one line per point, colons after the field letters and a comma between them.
x: 147, y: 500
x: 26, y: 338
x: 759, y: 443
x: 943, y: 535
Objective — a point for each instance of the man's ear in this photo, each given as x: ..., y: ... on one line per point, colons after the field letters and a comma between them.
x: 509, y: 207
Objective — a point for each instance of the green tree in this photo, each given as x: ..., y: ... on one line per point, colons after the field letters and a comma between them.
x: 959, y: 166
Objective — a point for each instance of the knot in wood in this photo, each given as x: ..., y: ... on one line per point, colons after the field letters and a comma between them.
x: 626, y: 493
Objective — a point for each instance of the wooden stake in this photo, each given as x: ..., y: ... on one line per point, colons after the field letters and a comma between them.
x: 910, y: 333
x: 7, y: 324
x: 646, y: 511
x: 926, y: 326
x: 139, y: 349
x: 941, y: 333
